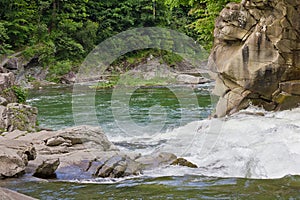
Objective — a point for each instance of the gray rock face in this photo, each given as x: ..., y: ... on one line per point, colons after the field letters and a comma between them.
x: 14, y: 116
x: 12, y: 64
x: 17, y: 117
x: 47, y: 169
x: 6, y: 83
x: 3, y: 101
x: 256, y: 55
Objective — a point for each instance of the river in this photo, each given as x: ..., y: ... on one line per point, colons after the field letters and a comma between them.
x: 253, y: 154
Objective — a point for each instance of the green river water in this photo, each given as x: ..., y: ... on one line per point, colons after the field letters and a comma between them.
x: 55, y: 111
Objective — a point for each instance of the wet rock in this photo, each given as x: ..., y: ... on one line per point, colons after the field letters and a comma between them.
x: 116, y: 167
x: 47, y: 169
x: 256, y: 56
x: 156, y: 160
x: 183, y: 162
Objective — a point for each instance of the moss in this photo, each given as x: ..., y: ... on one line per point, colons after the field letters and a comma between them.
x: 183, y: 162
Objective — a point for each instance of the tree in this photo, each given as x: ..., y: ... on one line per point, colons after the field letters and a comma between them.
x: 205, y: 12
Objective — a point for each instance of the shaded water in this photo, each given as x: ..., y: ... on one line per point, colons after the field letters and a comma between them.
x: 174, y: 187
x: 252, y: 144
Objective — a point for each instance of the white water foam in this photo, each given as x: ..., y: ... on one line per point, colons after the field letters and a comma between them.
x: 252, y: 144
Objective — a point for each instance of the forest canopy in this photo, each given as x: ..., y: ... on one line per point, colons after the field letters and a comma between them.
x: 62, y: 32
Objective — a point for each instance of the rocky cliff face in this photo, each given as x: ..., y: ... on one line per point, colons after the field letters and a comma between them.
x: 256, y: 55
x: 14, y: 116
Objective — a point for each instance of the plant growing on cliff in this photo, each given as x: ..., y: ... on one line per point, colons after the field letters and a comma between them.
x: 20, y: 93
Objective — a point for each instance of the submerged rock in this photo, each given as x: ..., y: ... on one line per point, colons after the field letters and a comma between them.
x: 256, y: 55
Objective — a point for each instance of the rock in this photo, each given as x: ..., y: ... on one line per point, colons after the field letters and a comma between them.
x: 6, y: 83
x: 3, y: 101
x: 156, y: 160
x: 69, y: 78
x: 47, y: 169
x: 189, y: 79
x: 256, y: 55
x: 116, y: 167
x: 11, y: 165
x: 183, y: 162
x: 12, y: 64
x: 88, y: 136
x: 3, y: 70
x: 20, y: 117
x: 7, y: 194
x: 3, y: 125
x: 30, y: 152
x: 14, y: 157
x: 56, y: 141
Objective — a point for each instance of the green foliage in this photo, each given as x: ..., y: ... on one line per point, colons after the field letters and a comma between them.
x: 20, y: 93
x: 4, y: 47
x: 59, y: 69
x: 45, y: 51
x: 133, y: 81
x: 61, y: 33
x: 110, y: 83
x: 205, y: 12
x: 171, y: 58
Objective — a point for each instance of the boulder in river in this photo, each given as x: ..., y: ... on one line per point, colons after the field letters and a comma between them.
x: 47, y: 169
x: 184, y: 162
x: 156, y: 160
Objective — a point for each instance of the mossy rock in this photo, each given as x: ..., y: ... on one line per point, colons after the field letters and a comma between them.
x: 183, y: 162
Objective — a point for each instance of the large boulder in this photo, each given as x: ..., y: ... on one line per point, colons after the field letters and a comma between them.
x: 256, y: 55
x: 14, y: 157
x: 47, y: 169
